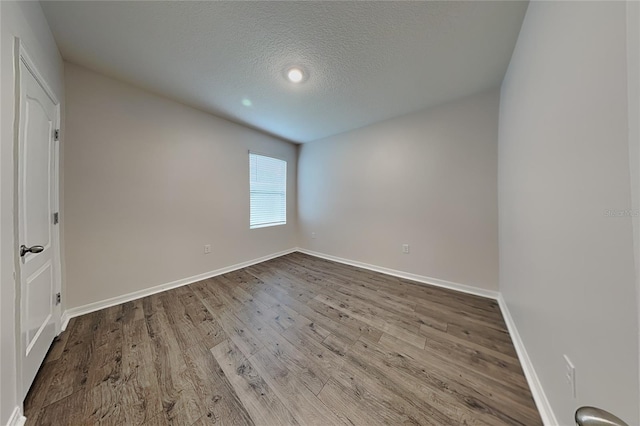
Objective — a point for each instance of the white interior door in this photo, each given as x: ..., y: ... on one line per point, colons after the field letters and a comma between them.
x: 37, y: 237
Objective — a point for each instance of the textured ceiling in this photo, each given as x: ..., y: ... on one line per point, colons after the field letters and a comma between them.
x: 366, y: 61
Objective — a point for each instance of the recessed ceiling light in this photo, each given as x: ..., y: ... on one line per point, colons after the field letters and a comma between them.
x: 247, y: 102
x: 295, y: 75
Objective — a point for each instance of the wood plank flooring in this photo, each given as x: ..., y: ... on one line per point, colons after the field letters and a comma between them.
x: 296, y: 340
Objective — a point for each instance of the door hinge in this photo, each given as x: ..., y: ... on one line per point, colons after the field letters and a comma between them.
x: 58, y: 298
x: 56, y: 135
x: 56, y: 218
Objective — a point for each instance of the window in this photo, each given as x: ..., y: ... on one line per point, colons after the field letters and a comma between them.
x: 268, y: 191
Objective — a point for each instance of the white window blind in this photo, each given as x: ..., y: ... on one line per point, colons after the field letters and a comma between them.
x: 268, y: 191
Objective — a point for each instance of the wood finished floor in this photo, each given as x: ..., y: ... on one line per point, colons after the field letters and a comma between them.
x: 296, y: 340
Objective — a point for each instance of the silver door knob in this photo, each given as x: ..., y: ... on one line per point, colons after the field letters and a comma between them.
x: 33, y: 249
x: 592, y: 416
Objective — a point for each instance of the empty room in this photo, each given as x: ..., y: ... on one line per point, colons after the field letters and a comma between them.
x: 320, y: 213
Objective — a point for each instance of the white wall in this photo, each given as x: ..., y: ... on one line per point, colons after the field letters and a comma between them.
x: 427, y: 179
x: 566, y: 269
x: 149, y: 182
x: 24, y: 20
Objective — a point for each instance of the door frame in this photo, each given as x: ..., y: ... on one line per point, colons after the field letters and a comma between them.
x: 21, y: 56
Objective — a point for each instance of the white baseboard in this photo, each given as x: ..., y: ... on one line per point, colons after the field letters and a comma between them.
x: 409, y: 276
x: 546, y: 412
x: 16, y: 419
x: 96, y: 306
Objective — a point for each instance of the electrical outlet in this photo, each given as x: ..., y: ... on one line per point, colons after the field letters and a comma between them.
x: 313, y: 235
x: 570, y: 375
x: 207, y: 249
x: 405, y: 248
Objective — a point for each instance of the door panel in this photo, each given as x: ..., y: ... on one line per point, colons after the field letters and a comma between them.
x: 39, y: 309
x: 36, y: 164
x: 37, y: 189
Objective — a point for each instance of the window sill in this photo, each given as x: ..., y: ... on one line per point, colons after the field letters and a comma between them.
x: 267, y: 225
